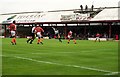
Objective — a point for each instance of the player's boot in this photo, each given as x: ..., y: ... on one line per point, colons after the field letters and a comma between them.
x: 60, y: 40
x: 28, y: 40
x: 41, y: 43
x: 31, y: 41
x: 12, y: 43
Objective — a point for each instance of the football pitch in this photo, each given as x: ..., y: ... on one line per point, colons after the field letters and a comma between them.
x: 56, y: 58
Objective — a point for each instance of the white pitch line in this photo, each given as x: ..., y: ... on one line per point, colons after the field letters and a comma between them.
x: 76, y: 66
x: 35, y: 60
x: 112, y: 73
x: 94, y: 69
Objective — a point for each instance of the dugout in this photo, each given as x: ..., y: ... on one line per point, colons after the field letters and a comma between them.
x: 84, y: 24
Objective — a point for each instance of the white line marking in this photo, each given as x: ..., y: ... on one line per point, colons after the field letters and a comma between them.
x: 76, y: 66
x: 36, y: 60
x: 112, y: 73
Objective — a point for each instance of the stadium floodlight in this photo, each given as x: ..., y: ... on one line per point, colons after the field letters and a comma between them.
x: 81, y: 7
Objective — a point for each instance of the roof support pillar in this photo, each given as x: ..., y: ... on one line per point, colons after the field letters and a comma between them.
x: 85, y: 32
x: 65, y: 31
x: 110, y: 30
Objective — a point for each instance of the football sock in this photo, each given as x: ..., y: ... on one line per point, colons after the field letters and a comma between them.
x: 74, y: 41
x: 38, y: 41
x: 14, y: 40
x: 68, y: 41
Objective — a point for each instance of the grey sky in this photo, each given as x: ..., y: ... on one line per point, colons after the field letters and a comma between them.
x: 10, y: 6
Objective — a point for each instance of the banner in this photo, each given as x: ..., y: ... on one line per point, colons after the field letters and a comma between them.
x: 75, y: 17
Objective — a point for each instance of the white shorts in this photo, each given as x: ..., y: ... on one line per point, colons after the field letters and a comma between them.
x: 97, y: 38
x: 69, y: 36
x: 12, y: 33
x: 39, y: 34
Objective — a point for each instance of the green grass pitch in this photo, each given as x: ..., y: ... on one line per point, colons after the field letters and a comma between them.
x: 55, y: 58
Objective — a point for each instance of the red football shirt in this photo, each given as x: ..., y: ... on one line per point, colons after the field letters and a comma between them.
x: 39, y: 29
x: 98, y: 35
x: 12, y: 27
x: 70, y: 33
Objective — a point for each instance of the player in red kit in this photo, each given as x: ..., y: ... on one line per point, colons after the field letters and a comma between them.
x: 70, y: 36
x: 12, y: 29
x: 38, y: 31
x: 97, y: 37
x: 116, y: 37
